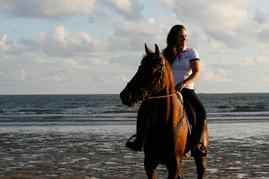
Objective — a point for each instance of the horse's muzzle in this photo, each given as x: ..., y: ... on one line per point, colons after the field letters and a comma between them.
x: 127, y: 98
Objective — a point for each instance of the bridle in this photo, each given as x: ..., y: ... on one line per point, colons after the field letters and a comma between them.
x: 148, y: 95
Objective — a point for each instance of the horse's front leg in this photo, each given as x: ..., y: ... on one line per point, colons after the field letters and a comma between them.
x: 150, y: 167
x: 174, y: 169
x: 200, y: 162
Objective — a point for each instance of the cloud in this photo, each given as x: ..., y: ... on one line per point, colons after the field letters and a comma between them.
x: 60, y: 42
x: 229, y: 22
x: 127, y: 38
x: 231, y: 38
x: 261, y: 16
x: 132, y: 36
x: 263, y: 36
x: 218, y: 75
x: 210, y: 13
x: 127, y: 8
x: 47, y: 8
x: 3, y: 43
x: 168, y: 2
x: 9, y: 47
x: 55, y: 9
x: 58, y: 61
x: 254, y: 62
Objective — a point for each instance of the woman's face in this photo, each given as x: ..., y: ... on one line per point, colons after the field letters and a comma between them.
x: 181, y: 42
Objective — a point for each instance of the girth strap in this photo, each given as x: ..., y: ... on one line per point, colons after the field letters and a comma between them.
x: 179, y: 123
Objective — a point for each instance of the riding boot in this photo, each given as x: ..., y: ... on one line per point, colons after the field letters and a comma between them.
x: 137, y: 143
x: 199, y: 147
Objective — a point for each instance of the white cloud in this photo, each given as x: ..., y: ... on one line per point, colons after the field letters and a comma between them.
x: 129, y: 9
x: 212, y: 14
x: 261, y: 16
x: 231, y: 38
x: 263, y: 36
x: 132, y: 36
x: 229, y: 22
x: 23, y: 75
x: 169, y: 2
x: 254, y: 62
x: 4, y: 46
x: 218, y: 75
x: 47, y: 8
x: 55, y: 9
x: 60, y: 42
x: 61, y: 61
x: 127, y: 36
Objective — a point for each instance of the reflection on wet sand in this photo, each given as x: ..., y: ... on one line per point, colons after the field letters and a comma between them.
x: 237, y: 150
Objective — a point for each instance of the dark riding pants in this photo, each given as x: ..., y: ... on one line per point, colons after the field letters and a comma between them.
x: 191, y: 97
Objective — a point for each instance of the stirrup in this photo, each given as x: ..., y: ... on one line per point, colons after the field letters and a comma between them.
x: 201, y: 151
x: 132, y: 144
x: 133, y: 136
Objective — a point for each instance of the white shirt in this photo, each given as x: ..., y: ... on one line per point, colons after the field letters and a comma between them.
x: 181, y: 66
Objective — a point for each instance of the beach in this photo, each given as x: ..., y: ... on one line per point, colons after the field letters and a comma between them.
x: 237, y: 150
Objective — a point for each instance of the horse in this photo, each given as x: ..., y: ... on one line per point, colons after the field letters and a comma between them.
x: 167, y: 130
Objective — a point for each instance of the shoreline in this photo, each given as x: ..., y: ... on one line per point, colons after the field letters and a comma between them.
x: 236, y: 150
x: 117, y: 122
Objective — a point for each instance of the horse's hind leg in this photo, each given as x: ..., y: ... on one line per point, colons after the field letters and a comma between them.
x: 150, y: 167
x: 200, y: 162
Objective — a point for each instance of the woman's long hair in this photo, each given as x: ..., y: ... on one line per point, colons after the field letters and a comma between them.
x: 170, y: 52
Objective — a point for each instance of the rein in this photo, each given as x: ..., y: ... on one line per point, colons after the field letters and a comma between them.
x: 158, y: 97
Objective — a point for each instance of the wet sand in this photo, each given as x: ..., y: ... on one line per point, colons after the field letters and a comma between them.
x: 237, y: 150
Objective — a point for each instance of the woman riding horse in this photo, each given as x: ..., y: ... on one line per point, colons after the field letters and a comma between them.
x: 186, y: 67
x: 166, y: 128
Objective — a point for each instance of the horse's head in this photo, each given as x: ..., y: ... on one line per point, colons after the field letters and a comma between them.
x: 148, y: 80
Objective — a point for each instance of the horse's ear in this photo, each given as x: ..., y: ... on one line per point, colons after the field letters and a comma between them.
x: 157, y: 51
x: 148, y: 51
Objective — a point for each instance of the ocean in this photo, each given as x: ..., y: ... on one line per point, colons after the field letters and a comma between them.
x: 22, y: 110
x: 83, y: 137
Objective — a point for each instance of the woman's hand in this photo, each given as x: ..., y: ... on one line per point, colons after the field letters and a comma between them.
x: 180, y: 86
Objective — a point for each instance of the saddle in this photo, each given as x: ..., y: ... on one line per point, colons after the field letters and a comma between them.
x: 190, y: 113
x: 191, y: 121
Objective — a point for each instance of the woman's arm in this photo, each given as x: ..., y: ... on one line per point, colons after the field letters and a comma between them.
x: 196, y: 71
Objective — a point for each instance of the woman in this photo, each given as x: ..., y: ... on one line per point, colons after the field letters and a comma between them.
x: 186, y: 67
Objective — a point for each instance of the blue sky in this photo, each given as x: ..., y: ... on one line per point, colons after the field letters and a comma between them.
x: 95, y: 46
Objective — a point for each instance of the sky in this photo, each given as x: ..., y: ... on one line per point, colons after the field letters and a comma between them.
x: 95, y: 46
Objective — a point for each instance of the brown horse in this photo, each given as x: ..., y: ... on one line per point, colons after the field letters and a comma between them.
x: 166, y: 134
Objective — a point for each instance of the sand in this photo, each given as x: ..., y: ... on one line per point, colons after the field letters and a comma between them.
x: 237, y: 150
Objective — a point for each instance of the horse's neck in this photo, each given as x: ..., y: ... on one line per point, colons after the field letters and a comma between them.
x: 166, y: 111
x: 165, y: 114
x: 166, y: 107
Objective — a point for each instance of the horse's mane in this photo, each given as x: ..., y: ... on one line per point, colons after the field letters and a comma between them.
x: 150, y: 56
